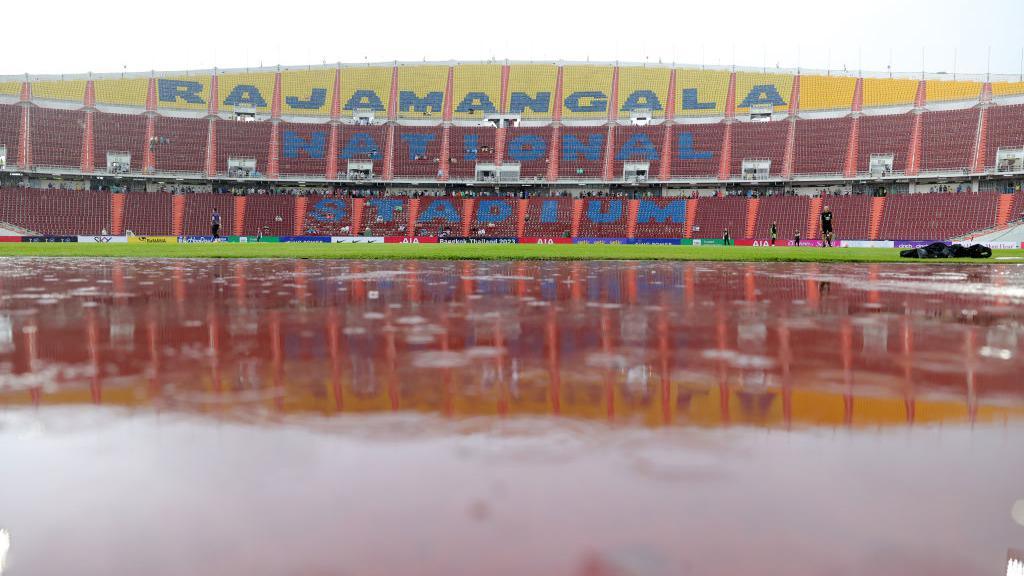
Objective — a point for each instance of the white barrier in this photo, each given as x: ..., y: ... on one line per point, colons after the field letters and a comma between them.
x: 103, y: 239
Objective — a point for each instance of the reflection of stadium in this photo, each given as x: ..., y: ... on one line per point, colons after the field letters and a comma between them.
x: 628, y: 342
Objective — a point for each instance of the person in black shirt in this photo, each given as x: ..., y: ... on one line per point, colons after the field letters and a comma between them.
x: 773, y: 233
x: 796, y: 238
x: 726, y: 239
x: 215, y: 224
x: 826, y: 226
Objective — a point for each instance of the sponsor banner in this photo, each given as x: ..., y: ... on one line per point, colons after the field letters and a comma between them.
x: 997, y: 245
x: 152, y: 239
x: 685, y: 242
x: 322, y: 239
x: 915, y: 243
x: 49, y: 238
x: 10, y: 238
x: 103, y: 239
x: 602, y: 241
x: 357, y: 239
x: 247, y: 239
x: 708, y: 242
x: 867, y: 243
x: 199, y: 239
x: 477, y: 240
x: 545, y: 240
x: 407, y: 240
x: 663, y: 241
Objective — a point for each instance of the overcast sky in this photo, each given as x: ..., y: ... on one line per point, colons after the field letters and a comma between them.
x: 106, y: 35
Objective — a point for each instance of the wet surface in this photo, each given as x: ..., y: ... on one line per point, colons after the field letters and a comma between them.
x: 591, y: 418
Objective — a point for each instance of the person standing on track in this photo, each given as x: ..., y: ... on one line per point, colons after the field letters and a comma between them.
x: 826, y: 226
x: 773, y: 233
x: 215, y: 224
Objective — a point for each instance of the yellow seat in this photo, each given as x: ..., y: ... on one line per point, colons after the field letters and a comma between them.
x: 827, y: 92
x: 889, y: 91
x: 307, y: 92
x: 190, y: 92
x: 121, y: 91
x: 66, y: 90
x: 643, y: 87
x: 586, y: 91
x: 476, y: 90
x: 365, y: 87
x: 421, y: 90
x: 756, y: 88
x: 531, y: 89
x: 250, y: 90
x: 947, y: 90
x: 701, y: 92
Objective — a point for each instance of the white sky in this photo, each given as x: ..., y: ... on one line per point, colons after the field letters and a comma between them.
x: 106, y: 35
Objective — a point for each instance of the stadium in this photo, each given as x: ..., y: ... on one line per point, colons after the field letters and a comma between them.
x: 284, y: 320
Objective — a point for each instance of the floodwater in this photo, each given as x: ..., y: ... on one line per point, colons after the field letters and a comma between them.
x: 315, y: 418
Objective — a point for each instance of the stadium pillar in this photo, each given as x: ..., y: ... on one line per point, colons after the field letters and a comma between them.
x: 93, y: 335
x: 117, y: 214
x: 275, y: 102
x: 556, y: 112
x: 691, y: 215
x: 725, y: 165
x: 414, y: 212
x: 813, y: 209
x: 151, y: 95
x: 239, y: 222
x: 24, y: 140
x: 730, y: 99
x: 87, y: 143
x: 666, y: 140
x: 789, y: 153
x: 177, y: 214
x: 332, y: 153
x: 274, y: 152
x: 981, y: 141
x: 393, y: 102
x: 785, y: 357
x: 846, y: 353
x: 634, y: 209
x: 357, y: 215
x: 722, y: 341
x: 553, y: 153
x: 213, y: 337
x: 148, y: 161
x: 505, y: 70
x: 389, y: 150
x: 794, y: 97
x: 211, y: 148
x: 445, y: 154
x: 664, y: 370
x: 299, y: 215
x: 914, y: 155
x: 214, y: 105
x: 524, y: 207
x: 336, y: 95
x: 875, y: 224
x: 577, y: 216
x: 852, y: 145
x: 609, y: 153
x: 607, y: 376
x: 449, y: 88
x: 753, y: 205
x: 467, y: 215
x: 336, y: 390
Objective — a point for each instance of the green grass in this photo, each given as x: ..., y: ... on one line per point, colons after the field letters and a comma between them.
x: 478, y: 252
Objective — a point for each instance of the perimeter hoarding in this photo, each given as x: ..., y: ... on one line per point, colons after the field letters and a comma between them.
x: 152, y: 239
x: 103, y: 239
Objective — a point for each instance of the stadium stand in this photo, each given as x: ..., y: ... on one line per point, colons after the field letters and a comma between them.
x: 56, y: 212
x: 638, y: 144
x: 181, y: 144
x: 758, y: 140
x: 889, y: 134
x: 118, y: 133
x: 439, y: 217
x: 696, y: 149
x: 10, y: 127
x: 121, y: 92
x: 497, y: 217
x: 365, y: 88
x: 199, y: 211
x: 947, y: 139
x: 303, y: 149
x: 937, y: 215
x: 946, y: 90
x: 643, y: 87
x: 548, y: 218
x: 57, y: 137
x: 386, y: 217
x: 717, y: 214
x: 246, y: 90
x: 328, y: 216
x: 582, y: 152
x: 701, y: 92
x: 237, y: 139
x: 10, y: 88
x: 417, y: 151
x: 1007, y: 88
x: 467, y: 147
x: 269, y: 215
x: 531, y: 89
x: 758, y: 89
x: 586, y: 92
x: 421, y: 91
x: 826, y: 92
x: 889, y: 92
x: 1005, y: 130
x: 364, y: 143
x: 185, y: 92
x: 820, y: 146
x: 604, y: 218
x: 63, y: 90
x: 852, y: 216
x: 148, y: 213
x: 788, y: 212
x: 670, y: 222
x: 307, y: 92
x: 529, y: 147
x: 476, y: 90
